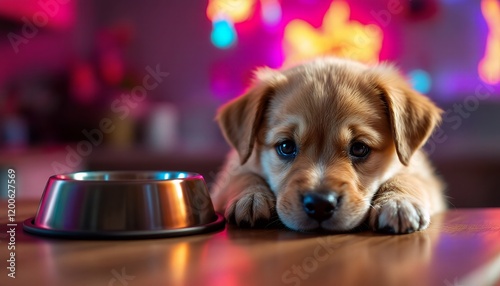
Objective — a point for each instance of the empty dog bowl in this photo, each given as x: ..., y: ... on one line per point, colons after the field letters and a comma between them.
x: 125, y: 205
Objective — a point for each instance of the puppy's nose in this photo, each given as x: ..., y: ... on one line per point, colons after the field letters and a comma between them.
x: 320, y: 205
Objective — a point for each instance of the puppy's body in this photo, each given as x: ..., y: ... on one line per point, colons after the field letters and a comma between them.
x: 329, y: 144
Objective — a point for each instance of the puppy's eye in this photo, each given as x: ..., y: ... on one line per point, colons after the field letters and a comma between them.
x: 359, y: 150
x: 286, y: 149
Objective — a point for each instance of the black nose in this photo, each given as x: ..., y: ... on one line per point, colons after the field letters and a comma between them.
x: 320, y: 205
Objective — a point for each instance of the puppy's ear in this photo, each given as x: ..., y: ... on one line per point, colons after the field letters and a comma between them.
x: 412, y: 115
x: 241, y: 118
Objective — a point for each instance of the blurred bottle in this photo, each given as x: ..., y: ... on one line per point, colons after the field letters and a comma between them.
x: 162, y: 127
x: 15, y: 132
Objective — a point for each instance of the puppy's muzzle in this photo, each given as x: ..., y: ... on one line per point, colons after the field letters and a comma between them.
x: 320, y: 205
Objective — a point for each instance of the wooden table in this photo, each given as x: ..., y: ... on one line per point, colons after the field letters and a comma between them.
x: 461, y: 247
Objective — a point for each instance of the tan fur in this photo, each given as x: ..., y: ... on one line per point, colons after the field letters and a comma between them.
x: 324, y: 106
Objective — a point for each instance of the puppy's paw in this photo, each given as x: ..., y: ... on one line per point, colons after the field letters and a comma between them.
x: 399, y: 215
x: 251, y: 209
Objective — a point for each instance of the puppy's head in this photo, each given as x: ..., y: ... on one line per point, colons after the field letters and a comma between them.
x: 325, y: 135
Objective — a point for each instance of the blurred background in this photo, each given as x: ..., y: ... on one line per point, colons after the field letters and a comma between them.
x: 100, y: 85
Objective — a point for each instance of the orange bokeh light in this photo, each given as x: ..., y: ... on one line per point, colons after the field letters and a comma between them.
x: 235, y: 10
x: 489, y: 66
x: 337, y: 36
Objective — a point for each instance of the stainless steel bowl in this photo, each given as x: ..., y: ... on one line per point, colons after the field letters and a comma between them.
x: 124, y: 204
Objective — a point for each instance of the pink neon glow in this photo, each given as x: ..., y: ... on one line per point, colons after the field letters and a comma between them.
x: 326, y: 27
x: 54, y: 14
x: 271, y: 12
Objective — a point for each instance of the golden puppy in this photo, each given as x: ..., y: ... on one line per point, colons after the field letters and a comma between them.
x: 329, y: 144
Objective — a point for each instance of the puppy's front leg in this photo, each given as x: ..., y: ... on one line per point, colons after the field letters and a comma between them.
x: 405, y: 203
x: 250, y: 201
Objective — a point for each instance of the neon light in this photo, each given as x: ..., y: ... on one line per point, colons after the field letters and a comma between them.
x: 223, y: 34
x: 420, y: 80
x: 224, y: 14
x: 235, y: 10
x: 489, y: 66
x: 271, y: 12
x: 337, y: 36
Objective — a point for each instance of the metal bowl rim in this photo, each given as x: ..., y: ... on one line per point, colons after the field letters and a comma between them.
x: 216, y: 225
x: 68, y: 177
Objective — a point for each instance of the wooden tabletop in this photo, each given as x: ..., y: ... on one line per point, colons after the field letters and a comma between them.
x: 461, y: 247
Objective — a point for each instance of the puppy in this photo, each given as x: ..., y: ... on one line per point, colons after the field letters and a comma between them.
x: 329, y: 144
